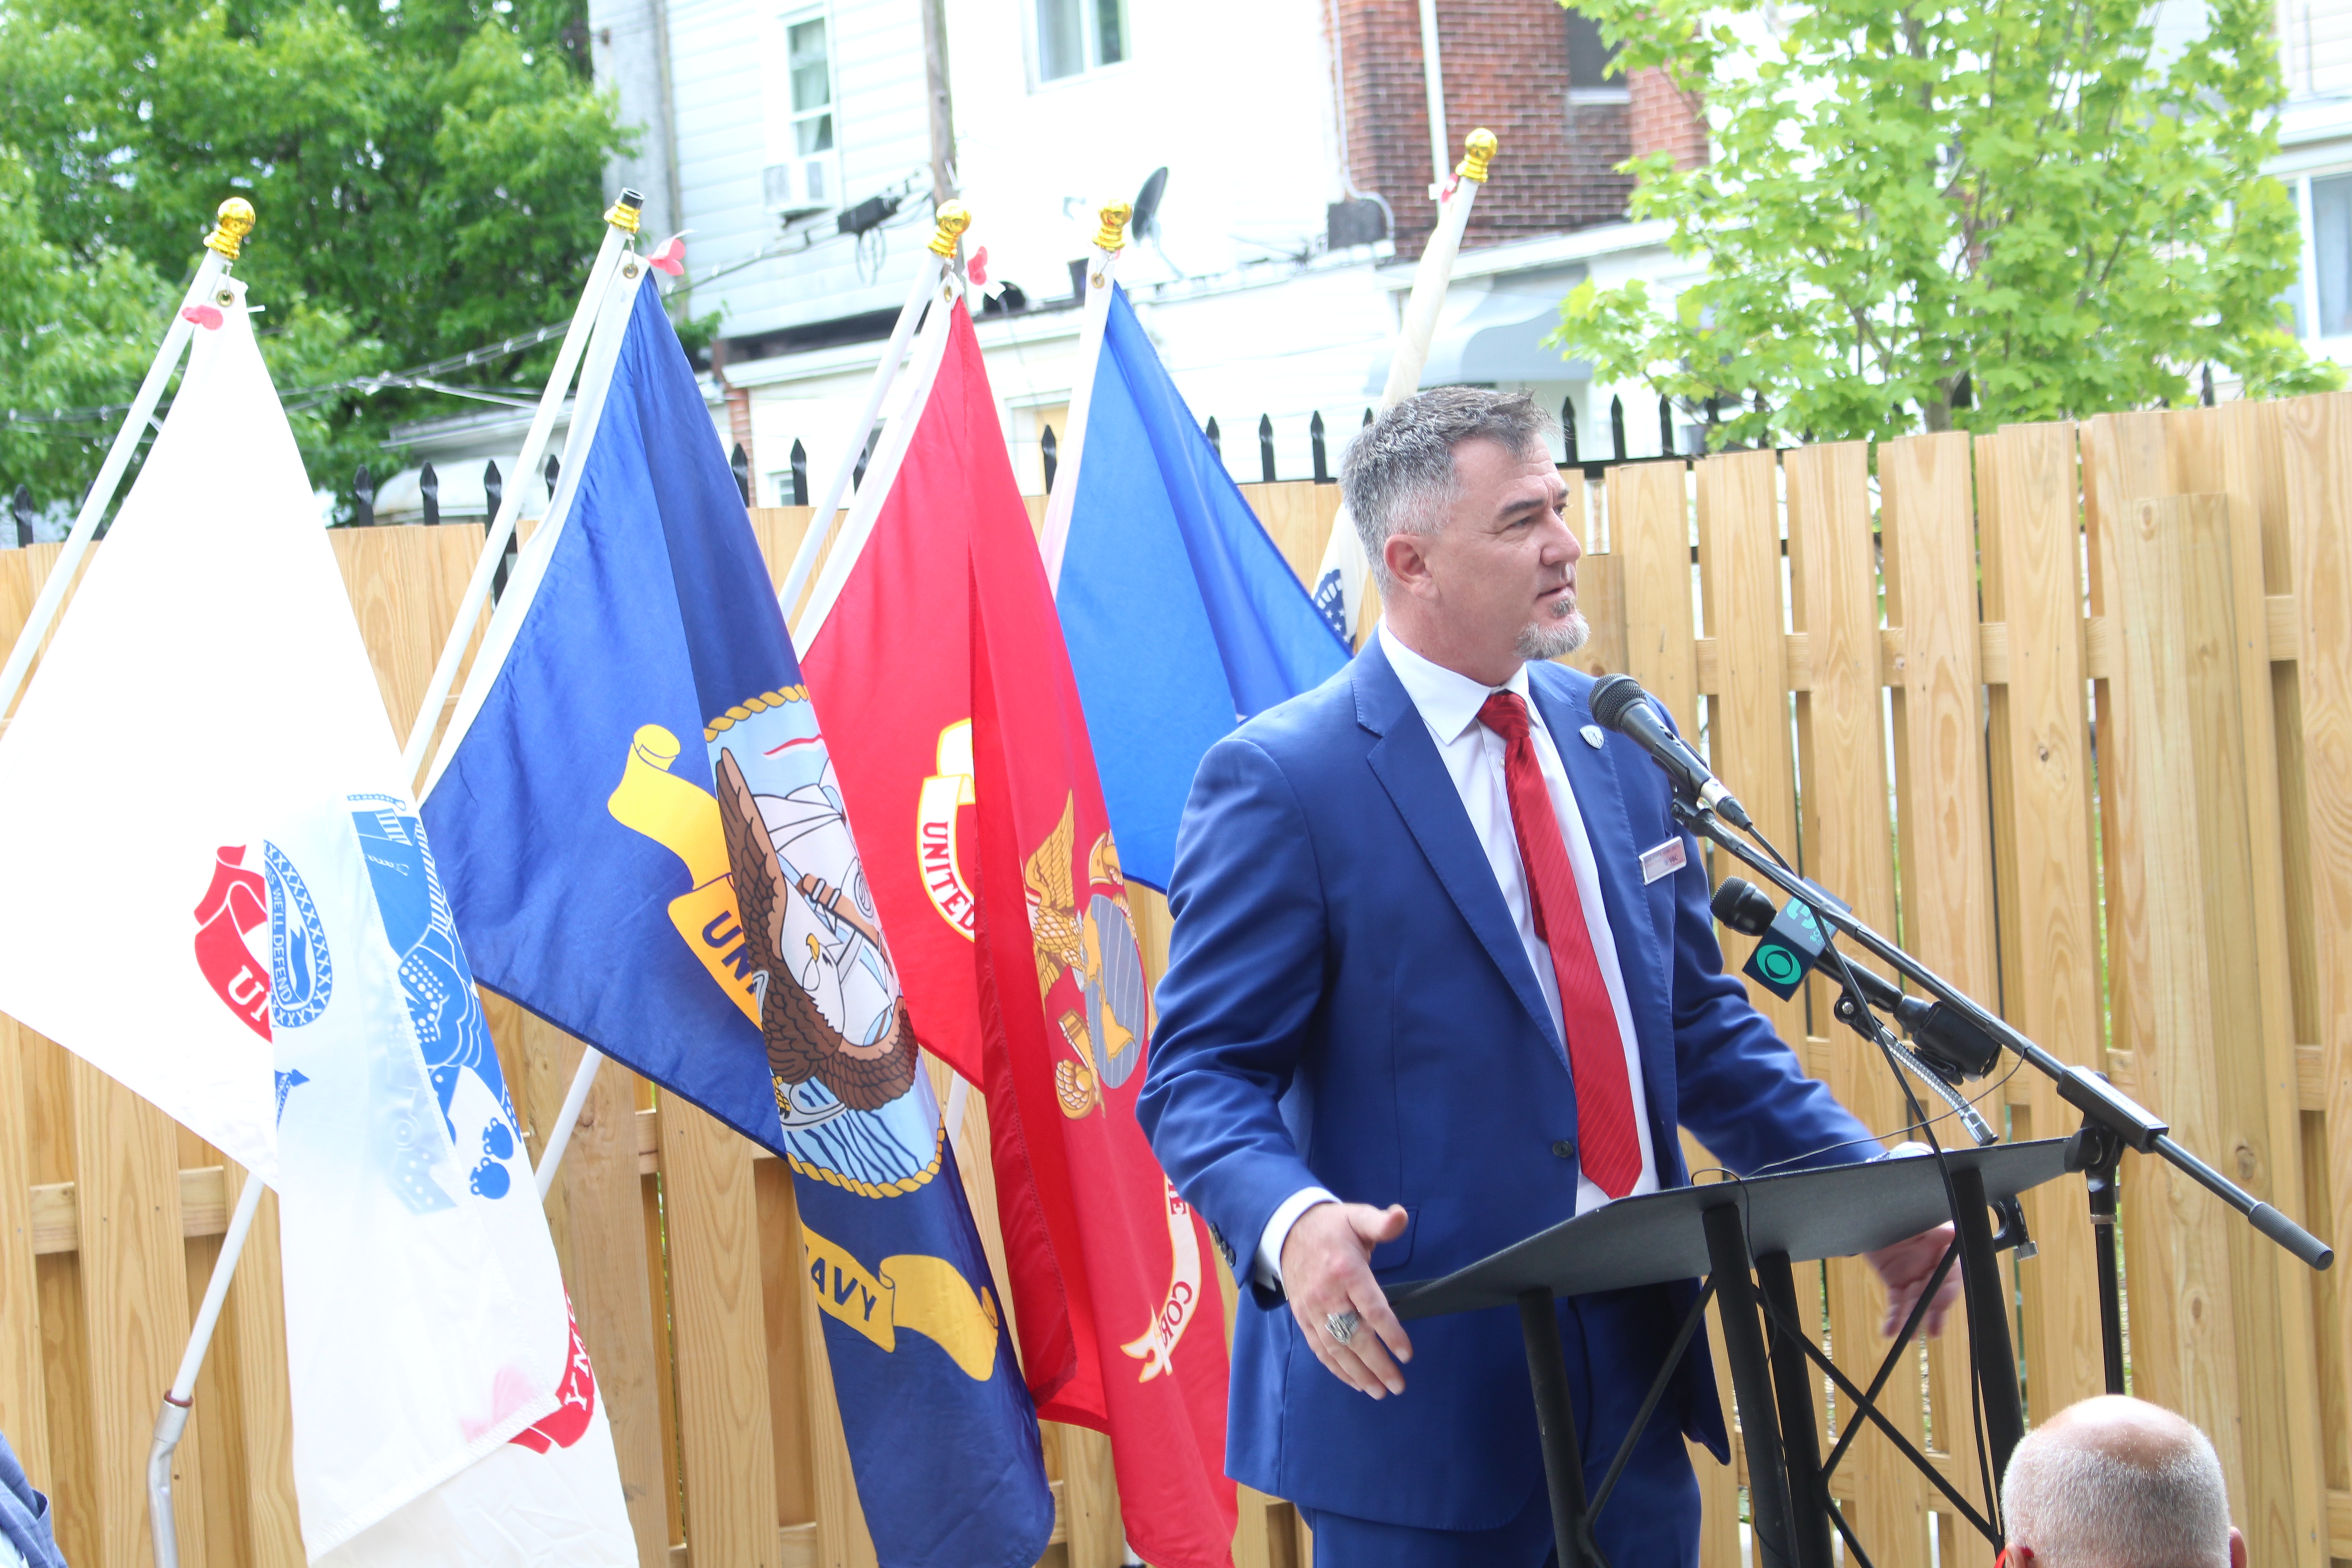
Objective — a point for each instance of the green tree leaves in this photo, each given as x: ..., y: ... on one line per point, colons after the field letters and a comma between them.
x: 427, y: 174
x: 1946, y: 215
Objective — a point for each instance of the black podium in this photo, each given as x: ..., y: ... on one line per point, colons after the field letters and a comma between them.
x: 1728, y: 1231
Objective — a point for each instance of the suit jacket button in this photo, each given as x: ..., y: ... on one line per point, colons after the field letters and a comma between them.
x: 1565, y: 1148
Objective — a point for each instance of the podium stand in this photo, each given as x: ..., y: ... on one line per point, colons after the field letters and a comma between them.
x: 1727, y: 1231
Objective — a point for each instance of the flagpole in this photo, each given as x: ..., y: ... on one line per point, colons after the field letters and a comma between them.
x: 953, y: 219
x: 621, y: 227
x: 1344, y: 561
x: 233, y: 223
x: 575, y: 1100
x: 172, y: 1419
x: 1109, y: 240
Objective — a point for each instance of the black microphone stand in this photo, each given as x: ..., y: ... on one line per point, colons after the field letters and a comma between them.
x: 2112, y: 1120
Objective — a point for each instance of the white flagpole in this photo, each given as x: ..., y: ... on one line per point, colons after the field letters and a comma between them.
x: 1109, y: 240
x: 1344, y: 562
x: 953, y: 219
x: 172, y: 1419
x: 235, y: 221
x: 621, y: 227
x: 620, y: 222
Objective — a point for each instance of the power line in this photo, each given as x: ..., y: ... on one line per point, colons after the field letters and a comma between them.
x: 429, y: 377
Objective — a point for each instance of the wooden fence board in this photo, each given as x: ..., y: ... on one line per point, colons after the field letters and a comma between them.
x: 1848, y: 846
x: 718, y: 1327
x: 2032, y: 553
x: 2287, y: 1488
x: 24, y: 1401
x: 1942, y: 817
x: 2316, y: 439
x: 135, y: 1312
x: 2180, y: 685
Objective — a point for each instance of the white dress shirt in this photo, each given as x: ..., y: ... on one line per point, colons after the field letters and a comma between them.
x: 1448, y: 703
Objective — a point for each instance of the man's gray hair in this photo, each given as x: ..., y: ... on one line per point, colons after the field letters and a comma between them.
x: 2078, y: 1502
x: 1398, y: 476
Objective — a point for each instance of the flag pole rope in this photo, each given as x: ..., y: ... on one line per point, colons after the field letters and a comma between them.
x: 1109, y: 240
x: 953, y: 219
x: 621, y: 226
x: 172, y: 1418
x: 233, y: 222
x: 1345, y: 552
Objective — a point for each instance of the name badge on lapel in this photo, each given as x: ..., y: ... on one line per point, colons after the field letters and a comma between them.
x: 1663, y: 862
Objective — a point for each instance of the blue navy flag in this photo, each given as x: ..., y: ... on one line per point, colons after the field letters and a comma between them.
x: 1159, y: 538
x: 644, y: 843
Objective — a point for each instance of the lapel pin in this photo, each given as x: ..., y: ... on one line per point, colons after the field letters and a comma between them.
x: 1592, y: 733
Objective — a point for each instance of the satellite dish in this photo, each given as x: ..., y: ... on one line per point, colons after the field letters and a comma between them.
x: 1144, y: 224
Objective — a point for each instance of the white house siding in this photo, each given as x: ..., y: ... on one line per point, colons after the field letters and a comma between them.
x: 724, y: 54
x: 1234, y: 97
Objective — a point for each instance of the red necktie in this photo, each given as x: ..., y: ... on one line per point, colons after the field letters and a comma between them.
x: 1609, y: 1145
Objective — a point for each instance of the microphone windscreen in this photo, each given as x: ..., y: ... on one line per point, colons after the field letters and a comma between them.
x: 1612, y: 697
x: 1743, y: 906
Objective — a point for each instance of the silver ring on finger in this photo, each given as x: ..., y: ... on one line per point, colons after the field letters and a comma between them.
x: 1342, y: 1326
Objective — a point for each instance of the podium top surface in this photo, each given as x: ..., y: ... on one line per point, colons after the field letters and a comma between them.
x: 1659, y: 1236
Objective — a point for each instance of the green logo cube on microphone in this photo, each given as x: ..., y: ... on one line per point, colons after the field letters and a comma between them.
x: 1786, y: 951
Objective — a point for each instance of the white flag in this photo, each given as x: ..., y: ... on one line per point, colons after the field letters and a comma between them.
x: 201, y: 779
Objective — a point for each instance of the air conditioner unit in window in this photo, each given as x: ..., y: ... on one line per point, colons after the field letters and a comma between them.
x: 799, y: 185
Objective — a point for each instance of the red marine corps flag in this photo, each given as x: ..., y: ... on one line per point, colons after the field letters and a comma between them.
x: 969, y: 772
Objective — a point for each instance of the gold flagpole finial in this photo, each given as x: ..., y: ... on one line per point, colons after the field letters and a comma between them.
x: 1477, y: 151
x: 233, y: 223
x: 1112, y: 235
x: 626, y: 212
x: 953, y: 219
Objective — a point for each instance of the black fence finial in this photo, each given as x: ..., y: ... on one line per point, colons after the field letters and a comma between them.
x: 1216, y: 439
x: 23, y: 507
x: 362, y: 499
x: 428, y: 485
x: 1315, y: 442
x: 799, y: 473
x: 1617, y: 425
x: 1265, y: 447
x: 739, y: 462
x: 494, y: 495
x: 552, y: 469
x: 1051, y: 450
x: 1665, y: 426
x: 1568, y: 429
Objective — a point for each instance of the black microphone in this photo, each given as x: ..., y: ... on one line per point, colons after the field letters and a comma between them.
x: 1790, y: 944
x: 1619, y: 703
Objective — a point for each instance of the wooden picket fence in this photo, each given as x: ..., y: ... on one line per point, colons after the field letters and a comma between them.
x: 2069, y: 708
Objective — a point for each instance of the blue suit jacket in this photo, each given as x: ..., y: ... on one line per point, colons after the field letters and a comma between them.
x: 1347, y: 1004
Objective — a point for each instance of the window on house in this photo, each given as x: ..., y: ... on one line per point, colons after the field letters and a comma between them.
x: 809, y: 63
x: 1076, y: 35
x: 1590, y: 58
x: 2331, y: 253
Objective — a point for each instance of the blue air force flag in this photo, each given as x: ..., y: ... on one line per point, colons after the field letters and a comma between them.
x: 1159, y: 536
x: 645, y: 843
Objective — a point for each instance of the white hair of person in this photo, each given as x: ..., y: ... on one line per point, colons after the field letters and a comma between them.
x: 2075, y: 1505
x: 1397, y: 475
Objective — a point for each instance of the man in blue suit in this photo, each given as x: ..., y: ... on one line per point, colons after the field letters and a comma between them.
x: 1442, y: 975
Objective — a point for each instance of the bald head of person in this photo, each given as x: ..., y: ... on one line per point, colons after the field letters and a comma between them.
x: 2114, y: 1482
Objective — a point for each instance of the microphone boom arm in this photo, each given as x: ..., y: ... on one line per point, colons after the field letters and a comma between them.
x: 2100, y: 1102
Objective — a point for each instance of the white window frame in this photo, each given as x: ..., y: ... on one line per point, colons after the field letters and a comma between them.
x: 785, y: 22
x: 1091, y: 42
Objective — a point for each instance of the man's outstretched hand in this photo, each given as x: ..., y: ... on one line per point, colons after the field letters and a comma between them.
x: 1904, y: 1269
x: 1326, y: 1269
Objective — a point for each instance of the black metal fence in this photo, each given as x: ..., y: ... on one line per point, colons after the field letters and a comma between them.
x: 1688, y: 440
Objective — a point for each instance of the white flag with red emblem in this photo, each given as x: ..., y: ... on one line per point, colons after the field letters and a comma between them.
x: 217, y: 891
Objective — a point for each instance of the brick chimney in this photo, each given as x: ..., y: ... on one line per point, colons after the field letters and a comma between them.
x: 1511, y: 66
